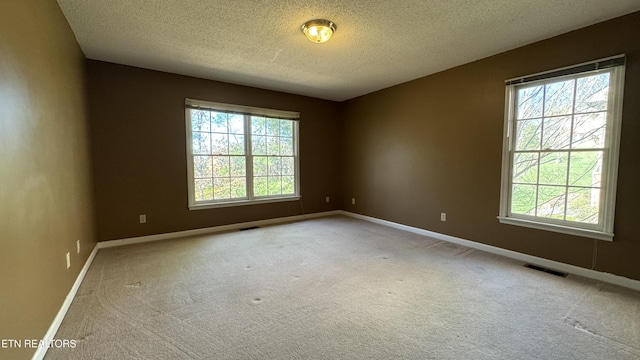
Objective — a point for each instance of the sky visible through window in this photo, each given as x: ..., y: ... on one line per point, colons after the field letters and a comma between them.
x: 559, y: 148
x: 223, y: 151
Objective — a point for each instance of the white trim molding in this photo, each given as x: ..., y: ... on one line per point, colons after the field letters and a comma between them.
x: 243, y: 202
x: 209, y: 230
x: 599, y: 235
x: 244, y: 140
x: 527, y: 159
x: 592, y: 274
x: 555, y: 265
x: 57, y: 321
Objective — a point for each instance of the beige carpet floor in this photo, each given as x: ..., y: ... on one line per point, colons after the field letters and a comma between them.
x: 338, y: 288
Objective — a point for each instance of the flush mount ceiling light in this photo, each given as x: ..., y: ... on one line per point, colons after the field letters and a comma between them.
x: 318, y: 30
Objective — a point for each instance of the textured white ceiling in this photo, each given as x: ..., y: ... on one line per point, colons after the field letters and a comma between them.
x: 377, y: 44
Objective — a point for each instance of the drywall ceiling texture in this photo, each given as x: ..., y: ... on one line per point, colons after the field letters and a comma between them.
x: 377, y: 44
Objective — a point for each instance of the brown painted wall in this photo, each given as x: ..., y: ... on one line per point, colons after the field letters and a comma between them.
x: 412, y: 151
x: 434, y: 145
x: 139, y: 158
x: 45, y: 183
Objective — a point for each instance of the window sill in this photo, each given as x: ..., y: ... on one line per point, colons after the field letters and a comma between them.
x: 593, y: 234
x: 242, y: 203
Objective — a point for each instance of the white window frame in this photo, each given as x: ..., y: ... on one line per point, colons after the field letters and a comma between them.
x: 248, y: 112
x: 604, y: 229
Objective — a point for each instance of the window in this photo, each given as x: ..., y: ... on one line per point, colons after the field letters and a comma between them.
x: 560, y: 153
x: 240, y: 155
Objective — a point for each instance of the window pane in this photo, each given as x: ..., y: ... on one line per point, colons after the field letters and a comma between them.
x: 523, y: 200
x: 273, y: 145
x: 586, y: 168
x: 221, y: 188
x: 592, y: 93
x: 236, y: 144
x: 219, y: 143
x: 529, y: 102
x: 221, y: 166
x: 273, y: 127
x: 553, y: 168
x: 558, y: 98
x: 258, y: 125
x: 525, y: 168
x: 238, y: 166
x: 219, y: 122
x: 275, y: 186
x: 588, y: 131
x: 259, y: 145
x: 275, y: 166
x: 202, y: 167
x: 236, y: 124
x: 286, y: 146
x: 528, y: 135
x: 260, y: 186
x: 288, y: 185
x: 562, y: 133
x: 286, y: 128
x: 200, y: 120
x: 556, y: 133
x: 260, y: 166
x: 287, y: 166
x: 551, y: 201
x: 238, y: 187
x: 201, y: 142
x: 583, y: 205
x: 220, y: 151
x: 203, y: 189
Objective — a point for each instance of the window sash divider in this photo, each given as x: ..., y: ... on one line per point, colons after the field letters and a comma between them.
x: 578, y: 217
x: 208, y: 199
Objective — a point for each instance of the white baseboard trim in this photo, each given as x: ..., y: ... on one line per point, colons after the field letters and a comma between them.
x: 551, y: 264
x: 572, y: 269
x: 57, y: 321
x: 165, y: 236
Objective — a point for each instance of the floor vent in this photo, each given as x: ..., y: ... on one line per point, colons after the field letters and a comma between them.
x: 552, y: 272
x: 249, y: 228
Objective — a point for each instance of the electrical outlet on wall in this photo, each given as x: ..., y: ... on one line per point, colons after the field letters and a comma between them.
x: 326, y: 199
x: 443, y: 216
x: 143, y: 219
x: 353, y: 201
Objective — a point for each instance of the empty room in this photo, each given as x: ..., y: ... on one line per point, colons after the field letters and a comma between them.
x: 319, y: 180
